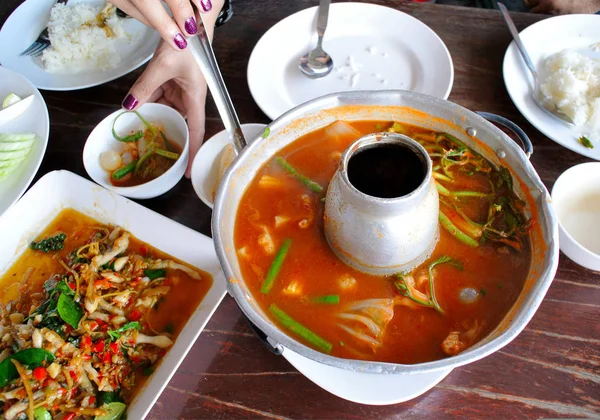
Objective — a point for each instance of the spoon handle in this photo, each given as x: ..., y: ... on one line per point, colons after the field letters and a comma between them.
x: 204, y: 55
x: 515, y: 34
x: 322, y: 18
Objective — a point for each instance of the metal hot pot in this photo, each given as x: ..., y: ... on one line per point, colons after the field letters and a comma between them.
x: 411, y: 108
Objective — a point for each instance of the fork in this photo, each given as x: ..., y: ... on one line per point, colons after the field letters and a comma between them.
x: 42, y: 42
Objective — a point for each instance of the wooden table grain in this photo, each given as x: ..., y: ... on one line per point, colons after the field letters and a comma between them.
x: 551, y: 370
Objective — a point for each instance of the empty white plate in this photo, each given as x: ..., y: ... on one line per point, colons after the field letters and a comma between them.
x: 373, y: 47
x: 25, y: 24
x: 542, y: 39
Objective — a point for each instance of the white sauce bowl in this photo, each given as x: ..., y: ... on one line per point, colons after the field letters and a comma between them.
x: 576, y: 199
x: 101, y: 140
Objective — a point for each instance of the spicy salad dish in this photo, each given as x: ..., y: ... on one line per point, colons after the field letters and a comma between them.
x: 86, y: 315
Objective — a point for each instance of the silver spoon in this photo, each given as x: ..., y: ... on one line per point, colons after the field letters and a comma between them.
x: 317, y: 63
x: 536, y: 90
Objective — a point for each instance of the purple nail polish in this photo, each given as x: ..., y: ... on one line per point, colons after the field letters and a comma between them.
x: 206, y: 5
x: 180, y: 41
x: 190, y: 26
x: 130, y: 102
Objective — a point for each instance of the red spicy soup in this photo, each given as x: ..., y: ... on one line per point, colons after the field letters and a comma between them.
x: 476, y: 271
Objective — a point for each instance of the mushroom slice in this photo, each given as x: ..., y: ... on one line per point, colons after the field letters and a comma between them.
x: 175, y: 266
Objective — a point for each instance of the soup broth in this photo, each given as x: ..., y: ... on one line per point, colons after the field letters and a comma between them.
x: 296, y: 278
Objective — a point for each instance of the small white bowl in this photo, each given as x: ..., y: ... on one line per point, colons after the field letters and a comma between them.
x: 101, y: 140
x: 576, y: 199
x: 206, y: 163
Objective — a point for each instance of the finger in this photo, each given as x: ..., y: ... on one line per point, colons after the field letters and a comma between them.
x: 131, y: 10
x: 196, y: 128
x: 147, y: 84
x: 184, y: 15
x: 160, y: 20
x: 158, y: 93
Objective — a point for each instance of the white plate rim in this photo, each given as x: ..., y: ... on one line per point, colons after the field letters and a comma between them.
x: 42, y: 138
x: 123, y: 70
x: 274, y: 113
x: 513, y: 65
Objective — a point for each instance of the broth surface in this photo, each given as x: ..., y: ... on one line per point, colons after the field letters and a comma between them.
x: 277, y: 207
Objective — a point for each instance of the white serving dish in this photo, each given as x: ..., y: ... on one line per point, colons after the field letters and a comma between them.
x: 101, y: 140
x: 205, y: 167
x: 62, y: 189
x: 576, y: 199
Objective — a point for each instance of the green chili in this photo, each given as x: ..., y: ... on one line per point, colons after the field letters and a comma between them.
x: 276, y: 267
x: 121, y: 172
x: 456, y: 232
x: 300, y: 329
x: 312, y: 185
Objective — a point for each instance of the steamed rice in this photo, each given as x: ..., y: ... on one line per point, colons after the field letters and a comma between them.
x: 83, y: 37
x: 570, y: 83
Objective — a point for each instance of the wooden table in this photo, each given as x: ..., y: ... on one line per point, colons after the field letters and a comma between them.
x: 551, y: 370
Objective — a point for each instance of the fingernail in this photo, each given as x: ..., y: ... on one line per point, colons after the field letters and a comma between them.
x: 206, y: 5
x: 180, y: 41
x: 190, y: 26
x: 130, y: 102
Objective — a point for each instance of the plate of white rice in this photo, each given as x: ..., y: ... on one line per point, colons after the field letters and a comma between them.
x: 566, y: 53
x: 91, y: 45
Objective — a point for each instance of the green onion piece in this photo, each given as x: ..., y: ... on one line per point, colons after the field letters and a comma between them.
x: 276, y: 267
x: 143, y: 159
x: 266, y: 133
x: 167, y: 154
x: 167, y: 146
x: 121, y: 172
x: 586, y: 142
x: 300, y: 329
x: 312, y: 185
x: 149, y: 126
x: 155, y: 274
x: 456, y: 232
x: 327, y: 299
x: 127, y: 139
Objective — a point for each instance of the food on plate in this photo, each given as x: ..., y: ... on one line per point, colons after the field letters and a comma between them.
x: 83, y: 37
x: 86, y: 315
x: 147, y: 154
x: 13, y: 106
x: 439, y: 309
x: 570, y: 84
x: 14, y: 149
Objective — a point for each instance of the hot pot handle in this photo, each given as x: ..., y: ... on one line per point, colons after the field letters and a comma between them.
x: 514, y: 128
x: 276, y: 349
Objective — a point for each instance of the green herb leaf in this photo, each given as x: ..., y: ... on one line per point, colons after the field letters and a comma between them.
x: 31, y: 358
x: 54, y: 243
x: 105, y: 398
x: 69, y: 310
x: 115, y: 334
x: 147, y: 371
x: 586, y: 142
x: 41, y: 413
x: 155, y: 274
x: 266, y: 133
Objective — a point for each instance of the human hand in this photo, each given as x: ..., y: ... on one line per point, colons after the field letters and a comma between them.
x: 174, y: 79
x: 563, y: 7
x: 173, y: 31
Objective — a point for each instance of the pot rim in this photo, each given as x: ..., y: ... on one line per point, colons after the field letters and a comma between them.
x: 532, y: 301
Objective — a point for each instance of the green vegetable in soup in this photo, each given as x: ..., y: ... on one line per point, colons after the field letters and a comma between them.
x: 327, y: 299
x: 456, y: 232
x: 276, y: 267
x: 125, y: 170
x: 300, y: 329
x: 53, y: 243
x: 312, y: 185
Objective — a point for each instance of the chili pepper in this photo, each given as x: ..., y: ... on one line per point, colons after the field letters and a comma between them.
x: 99, y: 346
x: 135, y: 315
x: 86, y: 342
x: 114, y: 347
x: 40, y: 373
x: 93, y: 325
x: 92, y: 400
x: 69, y: 416
x: 106, y: 358
x: 86, y: 357
x: 144, y: 251
x: 72, y: 286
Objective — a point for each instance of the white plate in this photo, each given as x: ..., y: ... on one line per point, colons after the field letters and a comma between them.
x: 62, y: 189
x: 25, y: 24
x: 395, y: 50
x: 206, y: 163
x: 365, y: 388
x: 542, y: 39
x: 34, y: 119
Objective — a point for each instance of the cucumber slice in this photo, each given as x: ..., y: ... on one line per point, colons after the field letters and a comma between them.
x: 11, y: 99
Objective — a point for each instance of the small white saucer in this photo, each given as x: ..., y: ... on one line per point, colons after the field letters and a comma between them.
x: 576, y: 199
x: 365, y: 388
x: 373, y: 48
x: 205, y: 167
